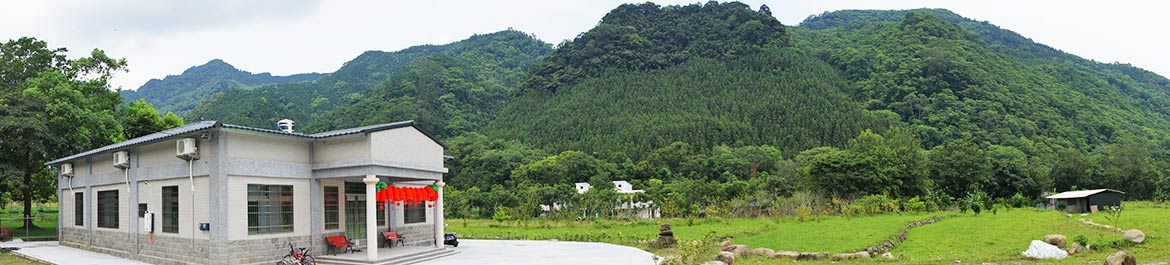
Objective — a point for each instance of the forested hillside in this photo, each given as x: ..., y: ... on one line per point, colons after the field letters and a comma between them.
x: 712, y: 106
x: 447, y: 94
x: 707, y: 75
x: 263, y: 106
x: 181, y: 93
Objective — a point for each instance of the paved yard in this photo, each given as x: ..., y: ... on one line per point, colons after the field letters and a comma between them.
x: 479, y: 252
x: 488, y: 252
x: 52, y: 252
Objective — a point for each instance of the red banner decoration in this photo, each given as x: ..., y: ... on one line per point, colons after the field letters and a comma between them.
x: 406, y: 195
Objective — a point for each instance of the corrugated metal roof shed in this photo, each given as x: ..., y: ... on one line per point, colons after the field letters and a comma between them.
x: 1080, y: 193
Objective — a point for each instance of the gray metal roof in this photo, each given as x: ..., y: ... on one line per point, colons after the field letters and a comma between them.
x: 204, y: 125
x: 1080, y: 193
x: 149, y: 138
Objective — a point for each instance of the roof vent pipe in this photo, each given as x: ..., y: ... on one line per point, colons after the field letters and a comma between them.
x: 285, y: 125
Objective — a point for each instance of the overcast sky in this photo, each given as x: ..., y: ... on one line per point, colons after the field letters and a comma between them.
x: 161, y: 38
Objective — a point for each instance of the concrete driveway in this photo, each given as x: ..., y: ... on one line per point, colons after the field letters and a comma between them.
x: 479, y: 252
x: 51, y: 252
x: 489, y: 252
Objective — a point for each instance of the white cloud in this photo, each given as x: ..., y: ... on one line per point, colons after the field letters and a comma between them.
x: 287, y: 37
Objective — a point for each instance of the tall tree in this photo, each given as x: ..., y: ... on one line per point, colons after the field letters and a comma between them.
x: 51, y: 106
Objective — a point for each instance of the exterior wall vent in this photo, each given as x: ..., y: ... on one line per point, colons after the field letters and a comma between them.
x: 122, y: 159
x: 185, y: 148
x: 285, y: 125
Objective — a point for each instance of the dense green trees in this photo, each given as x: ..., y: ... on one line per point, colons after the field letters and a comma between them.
x: 50, y: 107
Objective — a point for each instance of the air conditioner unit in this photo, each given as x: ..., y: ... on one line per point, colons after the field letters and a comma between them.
x: 122, y: 159
x: 185, y: 149
x: 67, y: 170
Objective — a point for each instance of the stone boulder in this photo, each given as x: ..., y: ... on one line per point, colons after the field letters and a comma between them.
x: 813, y: 256
x: 1134, y: 235
x: 786, y: 254
x: 1041, y: 250
x: 887, y: 255
x: 1076, y: 248
x: 764, y: 252
x: 713, y: 262
x: 665, y: 238
x: 725, y: 257
x: 1057, y: 240
x: 740, y: 250
x: 855, y: 255
x: 1120, y: 258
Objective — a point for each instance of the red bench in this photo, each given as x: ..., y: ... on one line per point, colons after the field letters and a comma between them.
x: 339, y: 241
x: 390, y: 237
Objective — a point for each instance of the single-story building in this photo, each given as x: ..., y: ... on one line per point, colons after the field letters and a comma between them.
x: 643, y: 210
x: 1086, y: 201
x: 215, y: 193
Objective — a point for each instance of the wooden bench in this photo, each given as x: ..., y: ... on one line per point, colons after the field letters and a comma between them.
x: 5, y: 233
x: 338, y: 241
x: 390, y: 237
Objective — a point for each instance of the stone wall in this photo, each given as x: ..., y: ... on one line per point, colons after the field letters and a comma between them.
x: 417, y: 234
x: 177, y: 250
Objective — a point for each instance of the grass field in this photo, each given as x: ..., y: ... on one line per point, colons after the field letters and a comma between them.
x: 9, y: 259
x: 44, y: 217
x: 958, y: 236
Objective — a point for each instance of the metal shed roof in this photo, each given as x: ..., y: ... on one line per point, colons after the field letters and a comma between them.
x: 205, y: 125
x: 1080, y: 193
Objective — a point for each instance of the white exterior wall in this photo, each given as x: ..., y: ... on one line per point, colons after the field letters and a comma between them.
x: 150, y: 193
x: 408, y: 146
x: 238, y: 206
x: 350, y: 149
x: 163, y: 153
x: 66, y: 207
x: 123, y: 206
x: 283, y: 149
x: 103, y: 163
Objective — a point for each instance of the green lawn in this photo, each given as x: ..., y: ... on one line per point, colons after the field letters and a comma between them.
x: 835, y: 234
x: 44, y: 217
x: 1001, y: 237
x: 9, y: 259
x: 959, y: 236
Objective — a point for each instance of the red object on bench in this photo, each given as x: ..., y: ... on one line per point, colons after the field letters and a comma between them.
x: 339, y: 241
x: 389, y: 237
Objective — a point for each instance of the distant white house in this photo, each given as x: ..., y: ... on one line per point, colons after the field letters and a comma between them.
x: 644, y: 210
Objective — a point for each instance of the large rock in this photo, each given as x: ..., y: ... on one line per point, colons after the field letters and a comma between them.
x: 813, y: 255
x: 765, y: 252
x: 887, y: 255
x: 1120, y: 258
x: 726, y: 257
x: 739, y: 250
x: 665, y: 238
x: 786, y: 254
x: 1134, y: 235
x: 1058, y: 240
x: 1040, y: 250
x: 1076, y: 248
x: 713, y: 262
x: 856, y: 255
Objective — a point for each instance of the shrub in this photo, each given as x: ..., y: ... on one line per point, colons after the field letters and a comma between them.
x: 873, y: 204
x: 803, y: 213
x: 914, y: 205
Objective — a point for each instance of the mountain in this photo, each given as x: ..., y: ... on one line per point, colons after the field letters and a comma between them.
x: 707, y: 75
x: 181, y: 93
x: 263, y: 106
x: 448, y: 94
x: 950, y: 77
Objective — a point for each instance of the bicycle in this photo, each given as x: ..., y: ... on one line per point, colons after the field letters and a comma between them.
x: 296, y: 256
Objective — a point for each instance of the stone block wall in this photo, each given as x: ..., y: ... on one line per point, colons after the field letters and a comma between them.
x: 169, y: 249
x: 262, y: 251
x: 177, y: 250
x: 417, y: 234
